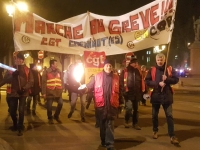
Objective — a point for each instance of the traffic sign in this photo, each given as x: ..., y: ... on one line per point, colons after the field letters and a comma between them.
x: 40, y: 54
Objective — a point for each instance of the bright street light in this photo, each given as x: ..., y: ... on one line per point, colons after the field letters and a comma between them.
x: 20, y: 5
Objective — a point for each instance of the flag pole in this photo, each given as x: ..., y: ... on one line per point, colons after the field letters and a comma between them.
x: 169, y: 44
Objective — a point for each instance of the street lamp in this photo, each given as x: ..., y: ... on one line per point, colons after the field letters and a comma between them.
x: 21, y: 6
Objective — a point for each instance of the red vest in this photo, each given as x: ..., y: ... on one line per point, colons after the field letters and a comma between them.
x: 98, y: 91
x: 54, y: 81
x: 125, y: 80
x: 153, y: 75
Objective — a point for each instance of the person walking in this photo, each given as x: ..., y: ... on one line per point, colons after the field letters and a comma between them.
x: 35, y: 90
x: 132, y: 86
x: 19, y: 83
x: 73, y: 89
x: 106, y: 92
x: 52, y: 90
x: 162, y: 94
x: 144, y: 73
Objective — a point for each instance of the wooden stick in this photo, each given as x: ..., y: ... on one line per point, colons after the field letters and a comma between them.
x: 166, y: 60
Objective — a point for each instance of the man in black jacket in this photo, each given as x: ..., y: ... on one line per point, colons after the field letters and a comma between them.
x: 162, y: 94
x: 131, y: 87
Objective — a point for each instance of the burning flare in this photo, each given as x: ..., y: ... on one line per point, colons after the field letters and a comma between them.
x: 78, y: 72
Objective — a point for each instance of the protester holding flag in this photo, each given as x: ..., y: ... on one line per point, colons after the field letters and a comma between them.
x: 162, y: 94
x: 52, y: 90
x: 19, y: 82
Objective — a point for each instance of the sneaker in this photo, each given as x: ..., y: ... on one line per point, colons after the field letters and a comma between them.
x: 144, y: 104
x: 96, y: 125
x: 70, y: 114
x: 33, y: 113
x: 174, y: 140
x: 13, y: 128
x: 137, y: 127
x: 126, y: 125
x: 83, y: 119
x: 20, y: 132
x: 57, y: 119
x: 111, y: 148
x: 103, y: 145
x: 51, y: 121
x: 155, y: 135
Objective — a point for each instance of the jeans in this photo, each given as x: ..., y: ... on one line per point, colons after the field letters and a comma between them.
x: 14, y: 103
x: 132, y: 105
x: 49, y: 103
x: 35, y: 99
x: 74, y: 97
x: 168, y: 113
x: 107, y: 132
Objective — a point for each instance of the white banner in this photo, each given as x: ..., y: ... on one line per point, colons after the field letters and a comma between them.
x: 148, y: 26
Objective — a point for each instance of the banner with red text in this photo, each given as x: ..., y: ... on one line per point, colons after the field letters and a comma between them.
x: 94, y: 63
x: 145, y: 27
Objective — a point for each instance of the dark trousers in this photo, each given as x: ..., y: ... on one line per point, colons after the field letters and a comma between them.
x: 35, y: 99
x: 74, y: 97
x: 142, y: 99
x: 132, y: 110
x: 49, y: 103
x: 168, y: 113
x: 14, y: 103
x: 107, y: 132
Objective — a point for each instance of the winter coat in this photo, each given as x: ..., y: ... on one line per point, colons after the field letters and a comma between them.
x: 159, y: 95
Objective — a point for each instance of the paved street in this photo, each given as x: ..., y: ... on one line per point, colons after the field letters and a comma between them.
x: 72, y: 134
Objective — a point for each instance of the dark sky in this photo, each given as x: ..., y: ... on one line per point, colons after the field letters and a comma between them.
x: 57, y: 10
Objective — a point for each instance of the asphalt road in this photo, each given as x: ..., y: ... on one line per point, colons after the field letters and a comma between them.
x: 72, y: 134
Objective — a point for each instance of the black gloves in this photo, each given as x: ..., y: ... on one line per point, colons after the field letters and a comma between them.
x: 15, y: 74
x: 21, y: 92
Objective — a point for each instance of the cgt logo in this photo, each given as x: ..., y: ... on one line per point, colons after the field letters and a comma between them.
x: 94, y: 59
x: 26, y: 39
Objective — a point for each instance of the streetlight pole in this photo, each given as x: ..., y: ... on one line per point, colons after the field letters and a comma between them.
x: 11, y: 12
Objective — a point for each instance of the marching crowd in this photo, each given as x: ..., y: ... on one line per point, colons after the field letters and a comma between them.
x: 110, y: 92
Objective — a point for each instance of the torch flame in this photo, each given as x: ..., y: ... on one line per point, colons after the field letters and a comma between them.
x: 78, y: 72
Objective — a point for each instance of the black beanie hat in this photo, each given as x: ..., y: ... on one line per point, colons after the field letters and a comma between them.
x: 106, y: 61
x: 133, y: 60
x: 20, y: 56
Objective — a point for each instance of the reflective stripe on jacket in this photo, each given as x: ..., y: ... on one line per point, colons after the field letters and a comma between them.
x: 54, y: 81
x: 99, y: 94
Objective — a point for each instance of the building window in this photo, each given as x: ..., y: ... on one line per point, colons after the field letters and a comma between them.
x: 148, y: 52
x: 148, y: 59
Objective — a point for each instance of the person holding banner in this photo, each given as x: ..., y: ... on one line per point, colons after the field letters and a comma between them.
x: 160, y: 80
x: 19, y: 81
x: 106, y: 92
x: 132, y: 86
x: 75, y: 78
x: 52, y: 90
